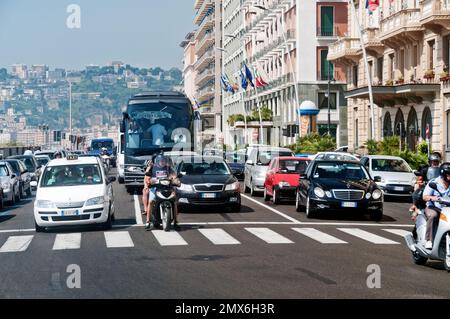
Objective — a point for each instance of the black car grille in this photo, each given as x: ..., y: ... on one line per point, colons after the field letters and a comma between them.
x: 208, y: 201
x: 348, y: 194
x: 70, y: 218
x: 208, y: 187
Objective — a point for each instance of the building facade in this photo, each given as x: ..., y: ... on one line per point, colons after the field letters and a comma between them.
x: 286, y: 42
x: 189, y: 59
x: 407, y: 44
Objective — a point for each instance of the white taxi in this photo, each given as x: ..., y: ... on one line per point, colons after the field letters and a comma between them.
x: 74, y: 191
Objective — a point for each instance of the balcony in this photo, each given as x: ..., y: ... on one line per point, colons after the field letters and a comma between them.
x: 435, y: 15
x: 323, y: 76
x: 329, y: 33
x: 401, y: 28
x: 205, y: 43
x: 198, y: 4
x: 345, y: 50
x: 205, y: 61
x: 372, y: 42
x: 401, y: 94
x: 205, y: 8
x: 205, y: 94
x: 202, y: 78
x: 263, y: 15
x: 206, y: 24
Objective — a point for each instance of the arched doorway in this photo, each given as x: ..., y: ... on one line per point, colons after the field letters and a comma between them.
x: 399, y: 127
x: 427, y: 121
x: 412, y: 130
x: 387, y: 125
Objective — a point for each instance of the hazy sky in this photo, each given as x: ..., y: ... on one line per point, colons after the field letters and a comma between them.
x: 143, y: 33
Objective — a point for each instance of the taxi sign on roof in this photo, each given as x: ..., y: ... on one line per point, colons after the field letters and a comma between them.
x: 72, y: 157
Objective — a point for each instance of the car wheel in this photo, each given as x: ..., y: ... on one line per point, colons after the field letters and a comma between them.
x: 18, y: 195
x: 108, y: 224
x: 21, y: 193
x: 376, y: 216
x: 418, y: 259
x: 298, y: 205
x: 236, y: 208
x: 266, y: 196
x: 310, y: 213
x: 39, y: 229
x: 29, y: 194
x: 121, y: 180
x: 275, y: 199
x: 12, y: 202
x: 252, y: 190
x: 246, y: 189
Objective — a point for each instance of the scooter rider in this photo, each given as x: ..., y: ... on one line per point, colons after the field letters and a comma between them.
x: 161, y: 169
x: 432, y: 170
x: 432, y: 196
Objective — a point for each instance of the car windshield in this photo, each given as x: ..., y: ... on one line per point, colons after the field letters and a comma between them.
x: 42, y: 160
x: 97, y: 145
x: 293, y: 166
x: 264, y: 157
x: 235, y: 158
x: 342, y: 171
x: 14, y: 165
x: 336, y: 157
x: 3, y: 170
x: 28, y: 163
x: 205, y: 168
x: 390, y: 165
x: 71, y: 175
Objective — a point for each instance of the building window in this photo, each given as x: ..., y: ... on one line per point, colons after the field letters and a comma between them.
x: 431, y: 53
x: 387, y: 125
x: 326, y: 21
x: 326, y: 67
x: 323, y: 129
x: 323, y: 100
x: 380, y: 70
x: 355, y: 75
x: 391, y: 66
x: 399, y: 126
x: 412, y: 129
x: 370, y: 71
x: 427, y: 121
x: 401, y: 62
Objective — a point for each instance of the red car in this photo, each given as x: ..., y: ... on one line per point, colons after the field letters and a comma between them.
x: 283, y: 176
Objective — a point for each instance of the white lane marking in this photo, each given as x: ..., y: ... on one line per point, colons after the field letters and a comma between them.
x: 5, y: 213
x: 137, y: 210
x: 272, y: 209
x: 25, y: 230
x: 118, y: 239
x: 269, y: 236
x: 365, y: 235
x: 67, y: 241
x: 357, y: 224
x: 219, y: 237
x: 171, y: 238
x: 319, y: 236
x: 16, y: 243
x: 400, y: 232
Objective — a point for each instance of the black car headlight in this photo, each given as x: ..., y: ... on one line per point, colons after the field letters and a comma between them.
x: 376, y: 194
x: 319, y: 192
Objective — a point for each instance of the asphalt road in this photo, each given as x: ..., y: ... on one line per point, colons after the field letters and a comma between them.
x: 265, y: 251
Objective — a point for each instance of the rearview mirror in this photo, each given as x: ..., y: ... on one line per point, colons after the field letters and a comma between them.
x: 377, y: 179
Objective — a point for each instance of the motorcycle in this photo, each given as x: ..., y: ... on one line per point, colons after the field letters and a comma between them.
x: 164, y: 202
x: 106, y: 160
x: 441, y: 241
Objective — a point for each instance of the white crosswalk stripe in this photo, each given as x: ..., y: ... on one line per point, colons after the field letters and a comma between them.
x: 16, y: 244
x: 171, y: 238
x: 400, y: 232
x: 365, y: 235
x: 319, y: 236
x: 118, y: 239
x: 67, y: 241
x: 269, y: 236
x: 218, y: 236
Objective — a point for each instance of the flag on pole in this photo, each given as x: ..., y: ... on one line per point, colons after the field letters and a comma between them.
x: 226, y: 86
x: 195, y: 108
x: 244, y: 82
x: 248, y: 75
x: 372, y: 5
x: 258, y: 78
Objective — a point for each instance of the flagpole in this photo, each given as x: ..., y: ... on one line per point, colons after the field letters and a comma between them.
x: 366, y: 66
x: 259, y: 112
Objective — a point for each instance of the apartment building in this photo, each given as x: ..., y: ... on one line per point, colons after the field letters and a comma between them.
x: 189, y: 59
x: 208, y: 67
x: 286, y: 41
x: 407, y: 44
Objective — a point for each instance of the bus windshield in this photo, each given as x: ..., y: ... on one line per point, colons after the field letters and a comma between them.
x: 154, y: 126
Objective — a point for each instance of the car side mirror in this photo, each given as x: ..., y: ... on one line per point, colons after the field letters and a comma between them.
x: 377, y: 179
x: 111, y: 179
x: 249, y: 162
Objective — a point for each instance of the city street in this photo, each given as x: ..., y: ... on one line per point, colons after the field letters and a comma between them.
x: 265, y: 251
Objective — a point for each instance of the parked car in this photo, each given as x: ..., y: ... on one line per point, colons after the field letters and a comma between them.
x: 340, y: 156
x: 341, y: 186
x: 10, y: 183
x: 396, y: 178
x: 42, y: 159
x: 236, y: 162
x: 32, y: 165
x: 257, y: 165
x: 207, y: 181
x: 24, y: 176
x: 283, y: 176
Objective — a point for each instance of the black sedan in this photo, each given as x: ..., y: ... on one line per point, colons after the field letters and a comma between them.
x: 236, y: 162
x: 207, y: 181
x: 342, y: 186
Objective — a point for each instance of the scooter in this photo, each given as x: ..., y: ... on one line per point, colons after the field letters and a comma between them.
x: 441, y: 240
x: 164, y: 202
x: 106, y: 160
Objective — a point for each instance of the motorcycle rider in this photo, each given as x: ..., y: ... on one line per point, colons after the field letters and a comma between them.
x: 431, y: 196
x: 432, y: 170
x: 160, y: 169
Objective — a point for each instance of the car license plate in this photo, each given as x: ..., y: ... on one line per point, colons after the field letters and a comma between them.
x: 72, y: 212
x: 208, y: 195
x: 349, y: 204
x: 397, y: 188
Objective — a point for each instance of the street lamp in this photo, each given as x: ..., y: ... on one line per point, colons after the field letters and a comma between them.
x: 290, y: 63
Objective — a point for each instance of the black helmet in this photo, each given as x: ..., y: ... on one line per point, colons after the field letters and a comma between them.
x: 444, y: 169
x: 162, y: 160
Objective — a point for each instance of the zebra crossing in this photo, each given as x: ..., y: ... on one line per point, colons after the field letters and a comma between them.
x: 214, y: 236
